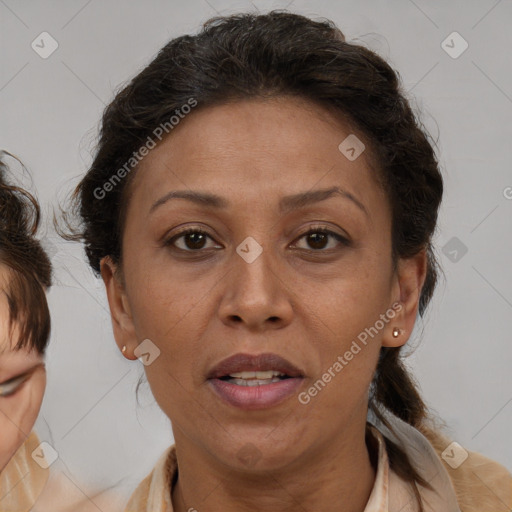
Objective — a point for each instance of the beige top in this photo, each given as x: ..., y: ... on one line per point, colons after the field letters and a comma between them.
x: 30, y: 483
x: 476, y: 485
x: 23, y: 479
x: 463, y: 481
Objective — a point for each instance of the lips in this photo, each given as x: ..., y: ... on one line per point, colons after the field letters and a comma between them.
x: 254, y: 363
x: 251, y: 382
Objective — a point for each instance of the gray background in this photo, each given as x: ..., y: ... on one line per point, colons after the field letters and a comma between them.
x: 50, y: 110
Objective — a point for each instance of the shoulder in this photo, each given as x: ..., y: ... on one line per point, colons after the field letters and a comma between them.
x: 63, y: 493
x: 481, y: 484
x: 140, y: 496
x: 24, y: 477
x: 32, y: 482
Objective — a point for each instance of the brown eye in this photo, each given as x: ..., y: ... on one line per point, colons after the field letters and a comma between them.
x: 318, y: 239
x: 193, y: 240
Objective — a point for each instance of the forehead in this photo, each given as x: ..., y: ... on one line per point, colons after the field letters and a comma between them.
x: 11, y: 359
x: 8, y: 336
x: 258, y: 148
x: 5, y: 344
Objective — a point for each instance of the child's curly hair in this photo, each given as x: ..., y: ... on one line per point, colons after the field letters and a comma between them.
x: 29, y: 268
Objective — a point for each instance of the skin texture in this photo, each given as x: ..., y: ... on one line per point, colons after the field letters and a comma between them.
x: 18, y: 411
x: 306, y: 302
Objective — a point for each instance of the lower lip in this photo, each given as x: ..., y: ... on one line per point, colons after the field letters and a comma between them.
x: 256, y: 397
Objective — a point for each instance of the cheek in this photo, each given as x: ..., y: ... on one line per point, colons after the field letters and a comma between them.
x: 173, y: 376
x: 11, y: 440
x: 172, y: 308
x: 18, y: 414
x: 345, y: 325
x: 344, y: 381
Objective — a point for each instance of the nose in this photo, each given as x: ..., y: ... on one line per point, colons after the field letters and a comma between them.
x: 255, y: 294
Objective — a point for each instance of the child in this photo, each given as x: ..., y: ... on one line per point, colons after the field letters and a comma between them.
x: 25, y: 276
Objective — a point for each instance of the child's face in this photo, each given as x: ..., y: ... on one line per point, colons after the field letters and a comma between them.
x: 22, y: 383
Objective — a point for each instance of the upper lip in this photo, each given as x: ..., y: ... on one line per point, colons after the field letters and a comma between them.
x: 259, y: 362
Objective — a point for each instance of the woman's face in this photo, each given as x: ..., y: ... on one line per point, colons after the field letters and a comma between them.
x: 255, y: 284
x: 22, y: 383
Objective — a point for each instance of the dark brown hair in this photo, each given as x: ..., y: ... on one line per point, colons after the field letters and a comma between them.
x: 248, y: 56
x: 29, y: 268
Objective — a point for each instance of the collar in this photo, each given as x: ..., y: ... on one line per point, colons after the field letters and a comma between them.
x: 424, y: 459
x: 390, y: 492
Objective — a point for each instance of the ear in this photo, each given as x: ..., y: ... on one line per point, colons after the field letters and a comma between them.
x: 120, y: 313
x: 408, y: 283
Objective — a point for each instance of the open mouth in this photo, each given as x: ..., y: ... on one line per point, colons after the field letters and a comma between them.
x: 252, y: 382
x: 258, y: 378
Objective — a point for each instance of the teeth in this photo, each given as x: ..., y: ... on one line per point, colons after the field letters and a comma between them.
x: 254, y: 382
x: 268, y: 374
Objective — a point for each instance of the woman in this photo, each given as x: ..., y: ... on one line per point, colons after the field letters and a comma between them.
x: 261, y: 208
x: 25, y: 275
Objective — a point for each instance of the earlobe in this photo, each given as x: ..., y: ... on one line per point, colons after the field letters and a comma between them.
x: 396, y: 332
x: 120, y: 313
x: 128, y: 353
x: 410, y: 277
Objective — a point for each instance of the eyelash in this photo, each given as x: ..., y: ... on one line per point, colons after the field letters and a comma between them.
x: 315, y: 229
x: 12, y: 385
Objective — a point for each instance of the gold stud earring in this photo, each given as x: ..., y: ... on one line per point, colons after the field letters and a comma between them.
x: 123, y: 350
x: 396, y: 332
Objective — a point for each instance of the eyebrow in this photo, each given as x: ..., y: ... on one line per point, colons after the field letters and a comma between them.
x: 286, y: 203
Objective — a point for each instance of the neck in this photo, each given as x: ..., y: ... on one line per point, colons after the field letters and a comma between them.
x: 337, y: 475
